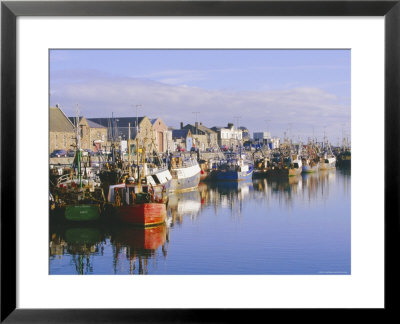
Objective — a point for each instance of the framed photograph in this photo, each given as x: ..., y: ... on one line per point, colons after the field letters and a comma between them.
x: 190, y: 160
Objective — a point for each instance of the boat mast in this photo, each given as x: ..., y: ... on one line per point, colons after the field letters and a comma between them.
x: 129, y: 149
x: 78, y: 146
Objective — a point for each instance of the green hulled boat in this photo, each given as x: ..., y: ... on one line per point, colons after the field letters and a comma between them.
x: 78, y: 199
x: 82, y: 213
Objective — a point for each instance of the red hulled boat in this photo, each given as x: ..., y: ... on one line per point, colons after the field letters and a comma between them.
x: 138, y: 204
x: 143, y: 214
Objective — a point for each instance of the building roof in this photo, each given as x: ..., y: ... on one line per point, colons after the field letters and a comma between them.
x: 58, y: 122
x: 193, y: 129
x: 92, y: 124
x: 180, y: 133
x: 201, y: 129
x: 121, y: 121
x: 206, y: 129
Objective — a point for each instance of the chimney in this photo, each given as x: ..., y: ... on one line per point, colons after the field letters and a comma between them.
x: 230, y: 125
x: 201, y: 123
x: 181, y: 125
x: 197, y: 124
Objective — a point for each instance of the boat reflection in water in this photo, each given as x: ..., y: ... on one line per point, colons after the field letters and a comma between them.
x: 138, y: 244
x: 279, y: 226
x: 80, y: 243
x: 82, y: 246
x: 181, y: 204
x: 305, y: 187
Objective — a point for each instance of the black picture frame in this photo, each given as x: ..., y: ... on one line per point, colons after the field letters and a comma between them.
x: 10, y: 10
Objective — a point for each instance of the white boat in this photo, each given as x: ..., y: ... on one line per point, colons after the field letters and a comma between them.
x: 327, y: 162
x: 185, y: 173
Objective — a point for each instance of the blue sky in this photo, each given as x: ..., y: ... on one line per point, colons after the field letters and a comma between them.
x: 302, y: 92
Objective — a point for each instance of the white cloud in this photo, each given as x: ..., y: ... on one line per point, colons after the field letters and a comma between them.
x: 101, y: 95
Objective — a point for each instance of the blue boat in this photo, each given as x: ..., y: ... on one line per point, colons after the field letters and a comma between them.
x: 235, y: 170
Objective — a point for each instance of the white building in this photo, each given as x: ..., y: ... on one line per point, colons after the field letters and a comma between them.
x: 275, y: 141
x: 261, y: 136
x: 229, y: 136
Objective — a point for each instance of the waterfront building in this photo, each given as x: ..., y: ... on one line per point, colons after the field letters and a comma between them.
x: 93, y: 136
x: 97, y: 135
x: 61, y: 130
x: 182, y: 138
x: 229, y: 136
x: 275, y: 142
x: 245, y: 133
x: 262, y: 137
x: 203, y: 137
x: 160, y: 130
x: 118, y: 129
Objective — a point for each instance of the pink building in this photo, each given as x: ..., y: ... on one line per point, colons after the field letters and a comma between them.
x: 160, y: 130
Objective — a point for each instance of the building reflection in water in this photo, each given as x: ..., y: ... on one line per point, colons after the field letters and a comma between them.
x: 134, y: 248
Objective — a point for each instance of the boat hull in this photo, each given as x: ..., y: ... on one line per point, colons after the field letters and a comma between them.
x: 233, y: 175
x: 82, y: 213
x: 327, y: 166
x: 185, y: 178
x: 146, y: 214
x: 310, y: 169
x: 276, y: 173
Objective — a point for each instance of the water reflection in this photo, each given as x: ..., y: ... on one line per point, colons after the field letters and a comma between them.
x: 138, y: 245
x: 183, y: 204
x: 81, y: 244
x: 218, y: 223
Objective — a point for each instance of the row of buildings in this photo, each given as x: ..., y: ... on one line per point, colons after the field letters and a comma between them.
x: 98, y: 133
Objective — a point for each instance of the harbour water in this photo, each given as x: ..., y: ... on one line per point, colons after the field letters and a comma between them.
x: 300, y: 225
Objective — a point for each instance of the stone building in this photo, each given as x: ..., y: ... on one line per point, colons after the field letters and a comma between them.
x: 93, y: 136
x: 61, y: 130
x: 203, y: 137
x: 98, y: 135
x: 118, y: 130
x: 182, y: 139
x: 160, y: 130
x: 229, y: 136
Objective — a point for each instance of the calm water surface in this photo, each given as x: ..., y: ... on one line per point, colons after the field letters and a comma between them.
x: 295, y: 226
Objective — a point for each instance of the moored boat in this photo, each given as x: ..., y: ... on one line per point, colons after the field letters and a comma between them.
x: 138, y: 204
x: 76, y: 197
x: 310, y: 166
x: 185, y: 173
x: 327, y: 163
x: 235, y: 169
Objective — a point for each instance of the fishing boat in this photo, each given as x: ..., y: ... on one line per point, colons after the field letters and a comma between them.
x: 295, y: 167
x: 278, y: 166
x: 327, y: 162
x: 138, y: 204
x: 136, y: 201
x: 328, y: 159
x: 310, y: 160
x: 78, y: 198
x: 309, y: 166
x: 236, y: 168
x: 185, y: 172
x: 344, y: 159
